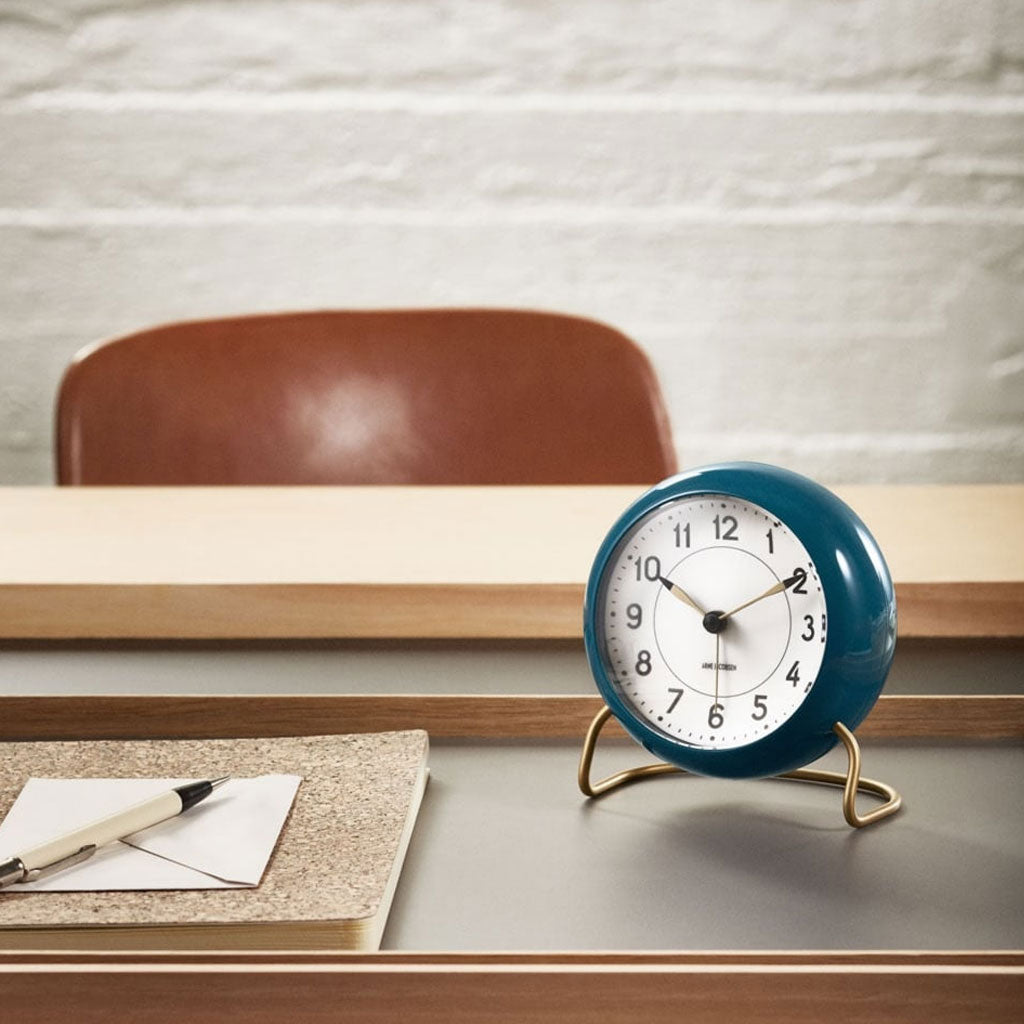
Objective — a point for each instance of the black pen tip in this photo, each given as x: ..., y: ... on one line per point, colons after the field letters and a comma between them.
x: 192, y: 792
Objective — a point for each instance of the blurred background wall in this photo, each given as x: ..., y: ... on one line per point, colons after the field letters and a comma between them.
x: 809, y: 214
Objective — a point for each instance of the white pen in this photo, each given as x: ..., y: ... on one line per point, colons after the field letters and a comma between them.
x: 74, y: 847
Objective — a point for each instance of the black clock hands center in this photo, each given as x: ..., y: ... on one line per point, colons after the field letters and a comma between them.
x: 713, y: 622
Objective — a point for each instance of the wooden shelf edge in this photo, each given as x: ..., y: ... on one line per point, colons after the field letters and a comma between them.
x: 962, y: 610
x: 443, y: 716
x: 409, y: 611
x: 305, y: 611
x: 566, y: 993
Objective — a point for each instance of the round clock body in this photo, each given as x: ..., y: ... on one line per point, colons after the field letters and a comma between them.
x: 734, y: 614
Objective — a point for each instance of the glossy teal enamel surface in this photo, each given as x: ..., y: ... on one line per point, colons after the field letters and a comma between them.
x: 859, y: 597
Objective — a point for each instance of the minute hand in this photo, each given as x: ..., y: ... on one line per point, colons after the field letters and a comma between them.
x: 777, y: 589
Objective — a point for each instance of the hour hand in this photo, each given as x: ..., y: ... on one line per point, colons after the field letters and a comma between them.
x: 678, y: 592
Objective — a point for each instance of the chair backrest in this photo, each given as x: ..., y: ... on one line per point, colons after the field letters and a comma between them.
x: 393, y: 397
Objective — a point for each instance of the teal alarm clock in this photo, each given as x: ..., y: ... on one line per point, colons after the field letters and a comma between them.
x: 734, y: 614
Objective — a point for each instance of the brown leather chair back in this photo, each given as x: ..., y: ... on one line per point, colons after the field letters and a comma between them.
x: 394, y: 397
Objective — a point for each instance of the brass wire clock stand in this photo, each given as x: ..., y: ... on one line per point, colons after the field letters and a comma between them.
x: 851, y: 782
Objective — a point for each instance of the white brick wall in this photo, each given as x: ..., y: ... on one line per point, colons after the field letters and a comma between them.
x: 810, y: 214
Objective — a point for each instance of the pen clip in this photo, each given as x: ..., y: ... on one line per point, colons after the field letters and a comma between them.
x: 58, y: 865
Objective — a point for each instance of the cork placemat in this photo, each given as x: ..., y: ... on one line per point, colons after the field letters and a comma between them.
x: 333, y: 860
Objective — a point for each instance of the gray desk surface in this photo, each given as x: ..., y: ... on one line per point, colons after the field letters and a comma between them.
x: 254, y: 667
x: 508, y: 856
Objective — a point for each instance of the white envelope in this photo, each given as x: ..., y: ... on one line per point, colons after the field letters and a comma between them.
x: 224, y: 842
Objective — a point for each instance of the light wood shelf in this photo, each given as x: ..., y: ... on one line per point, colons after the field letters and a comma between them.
x: 420, y: 563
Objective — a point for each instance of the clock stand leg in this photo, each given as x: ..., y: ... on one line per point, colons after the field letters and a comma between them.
x: 592, y: 789
x: 850, y: 781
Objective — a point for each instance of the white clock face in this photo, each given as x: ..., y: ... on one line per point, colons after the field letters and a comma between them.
x: 714, y: 621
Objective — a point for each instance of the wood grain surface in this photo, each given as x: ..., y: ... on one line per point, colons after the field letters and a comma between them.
x: 658, y: 990
x: 495, y: 717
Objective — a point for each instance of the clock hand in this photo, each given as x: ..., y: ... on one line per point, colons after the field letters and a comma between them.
x: 682, y: 595
x: 718, y: 651
x: 777, y: 589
